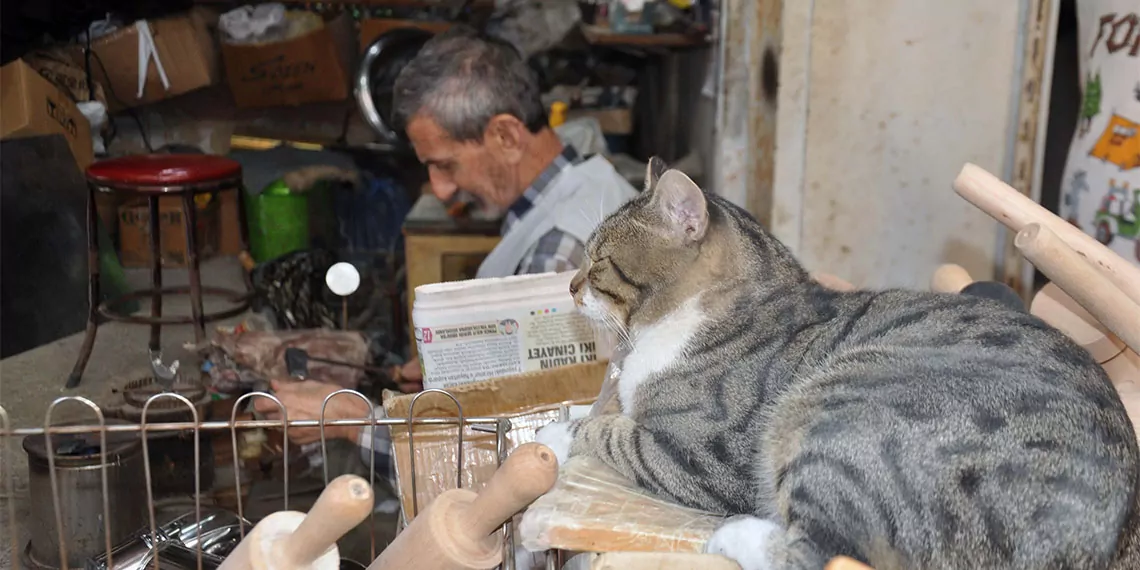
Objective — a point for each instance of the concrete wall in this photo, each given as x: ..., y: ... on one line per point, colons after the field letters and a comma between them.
x: 880, y: 104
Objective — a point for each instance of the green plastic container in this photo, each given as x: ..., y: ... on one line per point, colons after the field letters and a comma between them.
x: 278, y: 222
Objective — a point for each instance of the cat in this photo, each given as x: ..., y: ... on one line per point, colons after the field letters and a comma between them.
x: 904, y: 429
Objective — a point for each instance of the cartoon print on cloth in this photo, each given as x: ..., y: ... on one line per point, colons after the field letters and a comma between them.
x: 1104, y: 156
x: 1072, y: 198
x: 1090, y: 103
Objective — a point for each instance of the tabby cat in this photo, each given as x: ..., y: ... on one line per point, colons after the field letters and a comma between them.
x: 901, y: 428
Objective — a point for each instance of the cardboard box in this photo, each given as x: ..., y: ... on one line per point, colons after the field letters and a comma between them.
x: 185, y: 46
x: 314, y: 67
x: 529, y: 400
x: 31, y: 105
x: 229, y: 224
x: 134, y: 232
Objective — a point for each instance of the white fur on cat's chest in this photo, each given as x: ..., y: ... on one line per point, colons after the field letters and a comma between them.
x: 656, y: 348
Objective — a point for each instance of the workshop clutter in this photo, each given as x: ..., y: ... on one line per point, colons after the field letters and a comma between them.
x: 30, y: 105
x: 277, y: 57
x: 134, y: 231
x: 151, y: 60
x: 474, y: 330
x: 529, y: 401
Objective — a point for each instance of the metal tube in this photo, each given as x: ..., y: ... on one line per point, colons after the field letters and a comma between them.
x: 221, y: 425
x: 55, y: 479
x: 237, y: 465
x: 9, y: 492
x: 149, y: 480
x: 412, y: 448
x: 371, y: 457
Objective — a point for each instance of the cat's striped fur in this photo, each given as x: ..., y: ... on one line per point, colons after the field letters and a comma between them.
x: 905, y: 429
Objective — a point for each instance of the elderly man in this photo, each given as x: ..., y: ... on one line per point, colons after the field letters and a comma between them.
x: 470, y: 107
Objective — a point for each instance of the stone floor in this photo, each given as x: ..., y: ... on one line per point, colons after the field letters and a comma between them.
x: 30, y: 381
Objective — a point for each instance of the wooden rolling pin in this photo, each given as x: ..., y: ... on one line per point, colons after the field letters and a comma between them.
x: 1055, y: 307
x: 457, y: 530
x: 291, y: 540
x: 1081, y: 281
x: 845, y: 563
x: 832, y: 282
x: 1013, y: 209
x: 951, y: 278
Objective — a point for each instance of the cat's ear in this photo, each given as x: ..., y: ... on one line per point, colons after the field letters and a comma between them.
x: 653, y: 171
x: 682, y: 205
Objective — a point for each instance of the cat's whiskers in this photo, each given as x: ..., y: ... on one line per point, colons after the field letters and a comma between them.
x: 617, y: 327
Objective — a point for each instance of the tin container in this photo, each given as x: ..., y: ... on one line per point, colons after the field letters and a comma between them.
x: 79, y: 478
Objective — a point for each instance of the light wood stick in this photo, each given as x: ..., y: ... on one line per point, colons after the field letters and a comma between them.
x: 845, y: 563
x: 341, y: 506
x: 950, y: 278
x: 1063, y: 313
x: 528, y: 472
x: 832, y: 282
x: 1081, y: 281
x: 1013, y: 209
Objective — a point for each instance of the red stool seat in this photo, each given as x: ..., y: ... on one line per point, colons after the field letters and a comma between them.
x: 163, y: 170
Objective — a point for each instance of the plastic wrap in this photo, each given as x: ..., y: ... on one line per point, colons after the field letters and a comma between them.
x: 592, y: 508
x: 529, y: 400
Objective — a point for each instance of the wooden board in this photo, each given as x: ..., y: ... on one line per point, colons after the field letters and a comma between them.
x: 592, y: 508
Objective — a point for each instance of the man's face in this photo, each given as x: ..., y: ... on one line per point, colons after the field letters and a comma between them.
x: 480, y: 168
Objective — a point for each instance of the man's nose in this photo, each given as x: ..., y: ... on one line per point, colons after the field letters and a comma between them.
x: 442, y: 186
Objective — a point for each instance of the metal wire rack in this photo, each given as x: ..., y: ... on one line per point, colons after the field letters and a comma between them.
x: 493, y: 425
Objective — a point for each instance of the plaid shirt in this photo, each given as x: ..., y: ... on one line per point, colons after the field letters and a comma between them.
x: 554, y: 251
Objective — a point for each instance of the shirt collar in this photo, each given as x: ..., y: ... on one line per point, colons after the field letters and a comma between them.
x: 533, y: 194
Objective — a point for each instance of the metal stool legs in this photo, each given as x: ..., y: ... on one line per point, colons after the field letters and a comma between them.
x: 190, y: 219
x: 155, y: 274
x: 93, y: 294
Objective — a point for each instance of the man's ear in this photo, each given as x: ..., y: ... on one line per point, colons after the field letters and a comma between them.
x: 653, y: 171
x: 504, y: 136
x: 682, y: 205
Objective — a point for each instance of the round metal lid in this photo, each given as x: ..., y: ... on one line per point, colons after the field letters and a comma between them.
x: 82, y: 449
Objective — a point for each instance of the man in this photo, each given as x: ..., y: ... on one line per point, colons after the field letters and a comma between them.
x: 471, y: 108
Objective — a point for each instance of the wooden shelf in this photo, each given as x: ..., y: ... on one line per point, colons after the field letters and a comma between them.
x: 599, y: 36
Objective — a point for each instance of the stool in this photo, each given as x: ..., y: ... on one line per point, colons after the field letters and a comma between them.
x: 155, y: 176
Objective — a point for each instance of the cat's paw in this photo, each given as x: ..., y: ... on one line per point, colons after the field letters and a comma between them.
x: 747, y: 540
x: 558, y: 437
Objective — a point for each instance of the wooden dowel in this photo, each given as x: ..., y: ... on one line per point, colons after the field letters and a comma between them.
x: 528, y: 472
x: 341, y: 506
x: 1081, y: 281
x: 1013, y: 209
x: 845, y: 563
x: 950, y: 278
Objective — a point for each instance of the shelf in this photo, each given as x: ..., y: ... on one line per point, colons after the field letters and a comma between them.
x: 599, y: 36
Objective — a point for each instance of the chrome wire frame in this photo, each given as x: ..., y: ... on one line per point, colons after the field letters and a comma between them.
x: 497, y: 426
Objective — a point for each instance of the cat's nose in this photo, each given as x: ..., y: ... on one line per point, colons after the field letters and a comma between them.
x: 576, y: 285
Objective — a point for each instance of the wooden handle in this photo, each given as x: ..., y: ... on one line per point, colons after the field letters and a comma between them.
x: 1076, y: 277
x: 845, y: 563
x: 1013, y: 209
x: 832, y: 282
x: 950, y: 278
x: 344, y: 504
x: 1057, y: 308
x: 528, y: 473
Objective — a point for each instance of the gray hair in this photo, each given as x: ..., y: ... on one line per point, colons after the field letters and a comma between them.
x: 462, y: 79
